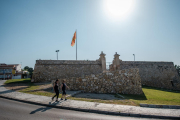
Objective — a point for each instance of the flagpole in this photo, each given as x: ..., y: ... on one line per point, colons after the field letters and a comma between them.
x: 76, y: 44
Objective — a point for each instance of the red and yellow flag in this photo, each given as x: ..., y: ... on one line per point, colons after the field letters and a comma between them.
x: 73, y: 39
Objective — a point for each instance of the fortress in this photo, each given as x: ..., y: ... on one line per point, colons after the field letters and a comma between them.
x: 125, y: 77
x: 154, y: 74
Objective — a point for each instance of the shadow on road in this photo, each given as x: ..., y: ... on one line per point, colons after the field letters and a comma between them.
x: 43, y: 109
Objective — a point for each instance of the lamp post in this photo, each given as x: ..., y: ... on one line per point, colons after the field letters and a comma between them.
x: 134, y: 57
x: 57, y: 53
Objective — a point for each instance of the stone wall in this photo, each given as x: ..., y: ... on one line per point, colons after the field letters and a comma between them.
x: 155, y: 74
x: 47, y: 70
x: 125, y: 81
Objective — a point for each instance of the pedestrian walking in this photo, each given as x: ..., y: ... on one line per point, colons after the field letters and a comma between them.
x: 56, y: 90
x: 63, y: 89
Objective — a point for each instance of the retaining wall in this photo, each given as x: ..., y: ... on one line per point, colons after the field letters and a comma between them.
x: 125, y: 81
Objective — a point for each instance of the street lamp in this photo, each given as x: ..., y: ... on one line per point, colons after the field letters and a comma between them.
x: 134, y: 57
x: 57, y: 53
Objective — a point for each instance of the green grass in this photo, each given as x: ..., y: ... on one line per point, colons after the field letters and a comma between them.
x: 150, y: 96
x: 156, y: 96
x: 11, y: 81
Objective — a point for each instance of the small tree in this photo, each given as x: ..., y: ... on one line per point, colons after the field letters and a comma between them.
x: 26, y: 68
x: 29, y: 69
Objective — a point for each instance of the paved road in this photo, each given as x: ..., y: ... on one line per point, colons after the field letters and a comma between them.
x: 13, y: 110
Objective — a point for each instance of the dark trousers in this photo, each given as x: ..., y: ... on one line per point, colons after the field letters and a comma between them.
x: 57, y: 94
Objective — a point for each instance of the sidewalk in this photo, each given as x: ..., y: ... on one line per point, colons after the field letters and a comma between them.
x: 94, y: 107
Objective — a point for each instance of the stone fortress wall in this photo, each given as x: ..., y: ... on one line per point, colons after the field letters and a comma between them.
x: 123, y: 77
x: 47, y: 70
x: 154, y: 74
x: 88, y: 76
x: 125, y: 81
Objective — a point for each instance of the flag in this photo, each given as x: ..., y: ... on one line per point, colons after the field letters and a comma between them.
x: 73, y: 39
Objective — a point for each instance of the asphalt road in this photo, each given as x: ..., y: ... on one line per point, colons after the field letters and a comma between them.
x: 13, y: 110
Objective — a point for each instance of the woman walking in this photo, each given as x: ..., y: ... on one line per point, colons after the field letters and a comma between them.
x: 56, y: 90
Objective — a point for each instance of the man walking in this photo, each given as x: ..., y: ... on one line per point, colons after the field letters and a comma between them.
x: 63, y: 88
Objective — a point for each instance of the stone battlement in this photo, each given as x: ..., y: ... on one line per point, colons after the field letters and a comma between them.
x: 146, y: 62
x: 67, y: 62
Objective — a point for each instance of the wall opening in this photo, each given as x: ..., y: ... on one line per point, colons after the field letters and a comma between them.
x: 107, y: 65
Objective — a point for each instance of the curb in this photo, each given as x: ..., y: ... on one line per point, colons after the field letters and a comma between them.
x: 94, y: 111
x: 160, y: 106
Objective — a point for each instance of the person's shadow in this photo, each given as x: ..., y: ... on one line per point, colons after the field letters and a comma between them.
x: 43, y: 109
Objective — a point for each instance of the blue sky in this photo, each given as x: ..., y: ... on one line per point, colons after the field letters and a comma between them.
x: 34, y: 29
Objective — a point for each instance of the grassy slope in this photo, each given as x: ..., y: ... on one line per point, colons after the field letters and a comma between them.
x: 150, y: 96
x: 158, y: 96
